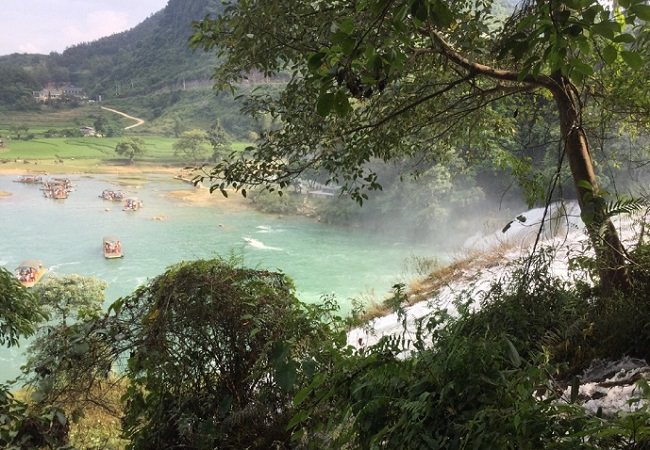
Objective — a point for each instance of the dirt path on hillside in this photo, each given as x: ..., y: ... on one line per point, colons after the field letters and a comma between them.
x: 137, y: 120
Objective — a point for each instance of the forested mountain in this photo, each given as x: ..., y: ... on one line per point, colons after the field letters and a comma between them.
x: 145, y: 59
x: 149, y: 57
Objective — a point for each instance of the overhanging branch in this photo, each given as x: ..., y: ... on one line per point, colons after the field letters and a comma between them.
x: 487, y: 71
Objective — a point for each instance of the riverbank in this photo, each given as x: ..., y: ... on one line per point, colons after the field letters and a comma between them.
x: 202, y: 197
x: 83, y: 167
x: 199, y: 196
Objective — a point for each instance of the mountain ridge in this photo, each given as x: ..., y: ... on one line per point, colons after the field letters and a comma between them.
x: 149, y: 57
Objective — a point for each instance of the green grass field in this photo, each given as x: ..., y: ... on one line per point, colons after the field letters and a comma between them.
x: 89, y: 154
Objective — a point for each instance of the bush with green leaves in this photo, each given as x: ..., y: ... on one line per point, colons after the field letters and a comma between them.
x: 66, y: 359
x: 24, y: 426
x: 538, y: 311
x: 465, y: 392
x: 488, y: 377
x: 620, y: 324
x: 217, y: 353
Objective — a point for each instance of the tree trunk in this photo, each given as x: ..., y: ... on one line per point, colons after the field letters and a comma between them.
x: 610, y: 255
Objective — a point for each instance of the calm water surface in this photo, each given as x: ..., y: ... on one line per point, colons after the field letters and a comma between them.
x: 67, y: 236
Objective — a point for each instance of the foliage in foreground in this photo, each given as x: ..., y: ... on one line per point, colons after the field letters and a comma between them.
x: 24, y: 425
x: 490, y: 378
x: 216, y: 355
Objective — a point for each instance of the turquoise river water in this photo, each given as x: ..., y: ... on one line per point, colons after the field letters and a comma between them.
x: 66, y: 235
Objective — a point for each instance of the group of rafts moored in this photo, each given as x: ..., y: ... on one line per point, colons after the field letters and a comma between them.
x: 31, y: 271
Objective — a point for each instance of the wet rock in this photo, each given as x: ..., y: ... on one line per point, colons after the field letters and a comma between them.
x: 608, y: 386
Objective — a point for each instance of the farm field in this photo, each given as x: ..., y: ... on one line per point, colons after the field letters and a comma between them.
x: 86, y: 155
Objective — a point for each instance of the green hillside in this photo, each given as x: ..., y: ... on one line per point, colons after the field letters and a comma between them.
x: 152, y: 56
x: 148, y: 71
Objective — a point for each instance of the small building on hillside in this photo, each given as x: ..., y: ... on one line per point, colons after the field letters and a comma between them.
x: 52, y: 92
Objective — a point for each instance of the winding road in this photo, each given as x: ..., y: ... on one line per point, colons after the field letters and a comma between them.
x: 137, y: 120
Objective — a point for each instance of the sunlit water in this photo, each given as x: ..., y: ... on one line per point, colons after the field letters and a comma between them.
x: 66, y: 235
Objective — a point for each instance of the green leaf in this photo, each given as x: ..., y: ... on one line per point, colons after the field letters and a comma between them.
x: 374, y: 64
x: 605, y: 29
x: 81, y: 348
x: 442, y: 15
x: 61, y: 418
x: 641, y: 11
x: 77, y: 415
x: 342, y: 104
x: 512, y: 353
x: 304, y: 392
x: 316, y: 61
x: 624, y: 38
x: 325, y: 103
x: 582, y: 67
x: 347, y: 26
x: 302, y: 395
x: 346, y: 42
x: 609, y: 54
x: 279, y: 351
x: 632, y: 59
x: 309, y: 367
x: 298, y: 418
x: 285, y: 374
x: 400, y: 14
x: 419, y: 10
x: 584, y: 184
x: 577, y: 77
x: 589, y: 15
x: 584, y: 44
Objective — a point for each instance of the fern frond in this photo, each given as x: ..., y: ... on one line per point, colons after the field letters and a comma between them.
x: 624, y: 206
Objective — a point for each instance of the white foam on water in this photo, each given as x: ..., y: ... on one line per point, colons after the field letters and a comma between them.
x: 258, y: 244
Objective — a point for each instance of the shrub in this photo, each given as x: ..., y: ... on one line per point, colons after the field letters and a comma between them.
x: 620, y: 320
x: 217, y: 353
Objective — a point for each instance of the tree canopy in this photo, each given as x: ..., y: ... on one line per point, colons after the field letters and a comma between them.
x: 22, y: 424
x: 21, y: 310
x: 131, y: 148
x: 414, y: 80
x: 71, y: 296
x: 220, y: 141
x: 192, y: 146
x: 63, y: 361
x: 215, y: 353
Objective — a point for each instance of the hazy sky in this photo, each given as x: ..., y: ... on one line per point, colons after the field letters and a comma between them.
x: 44, y: 26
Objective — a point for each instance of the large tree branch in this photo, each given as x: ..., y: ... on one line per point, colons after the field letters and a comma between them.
x: 412, y: 105
x: 487, y: 71
x: 501, y: 89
